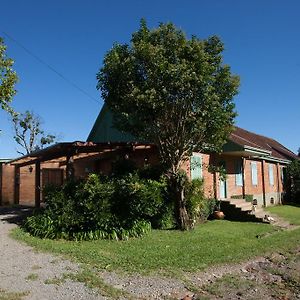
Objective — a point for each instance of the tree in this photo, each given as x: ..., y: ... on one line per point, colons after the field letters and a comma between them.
x: 28, y: 132
x: 8, y: 79
x: 292, y: 182
x: 173, y: 91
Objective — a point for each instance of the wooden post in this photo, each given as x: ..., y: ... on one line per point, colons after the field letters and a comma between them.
x: 37, y: 184
x: 17, y: 185
x: 70, y: 167
x: 263, y: 182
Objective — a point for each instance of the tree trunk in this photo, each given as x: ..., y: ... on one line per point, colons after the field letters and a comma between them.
x: 182, y: 217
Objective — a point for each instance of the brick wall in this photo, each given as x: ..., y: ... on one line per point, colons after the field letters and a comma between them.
x: 8, y: 184
x: 27, y: 185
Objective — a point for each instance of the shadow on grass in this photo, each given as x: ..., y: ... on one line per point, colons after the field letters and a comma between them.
x: 292, y: 204
x: 15, y: 214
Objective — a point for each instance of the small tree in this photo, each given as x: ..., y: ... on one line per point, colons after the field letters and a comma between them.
x: 172, y: 91
x: 292, y: 183
x: 28, y: 132
x: 8, y: 79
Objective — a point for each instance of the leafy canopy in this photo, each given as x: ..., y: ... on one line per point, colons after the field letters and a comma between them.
x: 8, y: 79
x: 170, y: 90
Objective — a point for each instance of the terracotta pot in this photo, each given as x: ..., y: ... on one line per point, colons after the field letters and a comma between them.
x: 219, y: 215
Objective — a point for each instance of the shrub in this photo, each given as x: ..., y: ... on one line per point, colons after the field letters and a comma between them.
x: 136, y: 198
x: 100, y: 208
x: 198, y: 207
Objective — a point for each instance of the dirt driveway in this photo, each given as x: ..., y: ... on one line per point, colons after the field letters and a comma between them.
x: 26, y: 274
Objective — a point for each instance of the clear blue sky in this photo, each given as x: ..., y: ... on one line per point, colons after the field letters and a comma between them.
x: 262, y: 41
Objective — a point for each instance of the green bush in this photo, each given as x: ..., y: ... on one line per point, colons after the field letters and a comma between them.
x: 248, y: 197
x: 97, y: 207
x: 136, y: 198
x: 199, y: 208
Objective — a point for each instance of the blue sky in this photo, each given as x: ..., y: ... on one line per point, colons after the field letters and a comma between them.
x: 262, y: 46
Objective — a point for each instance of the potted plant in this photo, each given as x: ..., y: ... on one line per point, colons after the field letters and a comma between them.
x: 218, y: 214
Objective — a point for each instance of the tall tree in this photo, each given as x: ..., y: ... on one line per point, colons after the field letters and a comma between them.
x: 173, y: 91
x: 8, y: 79
x: 29, y: 134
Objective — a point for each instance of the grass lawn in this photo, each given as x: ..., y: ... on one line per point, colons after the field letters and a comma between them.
x: 173, y: 252
x: 289, y: 212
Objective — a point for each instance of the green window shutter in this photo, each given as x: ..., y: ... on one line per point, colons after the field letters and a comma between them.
x: 271, y: 174
x: 238, y: 174
x: 254, y: 173
x: 196, y: 167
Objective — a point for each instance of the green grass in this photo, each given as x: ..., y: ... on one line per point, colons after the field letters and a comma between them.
x: 4, y: 295
x: 288, y: 212
x: 215, y: 242
x: 32, y: 277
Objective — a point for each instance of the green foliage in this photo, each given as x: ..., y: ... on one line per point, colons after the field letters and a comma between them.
x: 138, y: 198
x: 171, y: 90
x: 8, y: 79
x: 293, y: 169
x: 292, y: 181
x: 28, y: 132
x: 248, y: 197
x: 99, y: 208
x: 198, y: 207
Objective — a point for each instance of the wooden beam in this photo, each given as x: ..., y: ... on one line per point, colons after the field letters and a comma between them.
x: 37, y: 184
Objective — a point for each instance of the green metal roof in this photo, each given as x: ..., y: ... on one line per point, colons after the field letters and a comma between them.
x: 4, y: 160
x: 103, y: 130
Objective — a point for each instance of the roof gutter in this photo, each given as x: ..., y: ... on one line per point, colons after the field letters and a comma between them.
x: 275, y: 159
x: 260, y: 152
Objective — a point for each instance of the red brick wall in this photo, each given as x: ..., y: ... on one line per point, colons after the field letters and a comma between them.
x: 249, y: 187
x: 27, y: 186
x: 8, y: 184
x: 232, y: 187
x: 208, y: 178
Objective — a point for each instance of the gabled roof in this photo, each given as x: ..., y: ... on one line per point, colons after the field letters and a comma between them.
x: 241, y: 141
x: 103, y: 130
x: 244, y: 137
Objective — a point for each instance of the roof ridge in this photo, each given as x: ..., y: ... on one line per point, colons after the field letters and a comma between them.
x: 263, y: 136
x: 242, y: 138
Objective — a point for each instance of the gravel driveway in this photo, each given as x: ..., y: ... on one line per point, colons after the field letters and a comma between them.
x: 32, y: 274
x: 41, y: 276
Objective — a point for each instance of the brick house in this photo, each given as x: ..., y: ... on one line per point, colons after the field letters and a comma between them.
x: 254, y: 165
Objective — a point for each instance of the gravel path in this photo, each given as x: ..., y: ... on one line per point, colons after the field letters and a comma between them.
x: 41, y: 276
x: 37, y: 275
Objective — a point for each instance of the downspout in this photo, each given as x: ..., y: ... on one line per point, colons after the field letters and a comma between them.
x: 278, y: 184
x: 243, y: 177
x: 263, y: 182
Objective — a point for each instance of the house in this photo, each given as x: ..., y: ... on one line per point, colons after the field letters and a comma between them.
x: 254, y: 165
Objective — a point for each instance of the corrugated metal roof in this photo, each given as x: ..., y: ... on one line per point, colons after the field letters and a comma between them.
x: 103, y: 130
x: 244, y: 137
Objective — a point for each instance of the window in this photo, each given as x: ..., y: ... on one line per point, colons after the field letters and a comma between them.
x: 254, y: 173
x: 271, y: 174
x: 238, y: 174
x: 196, y: 167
